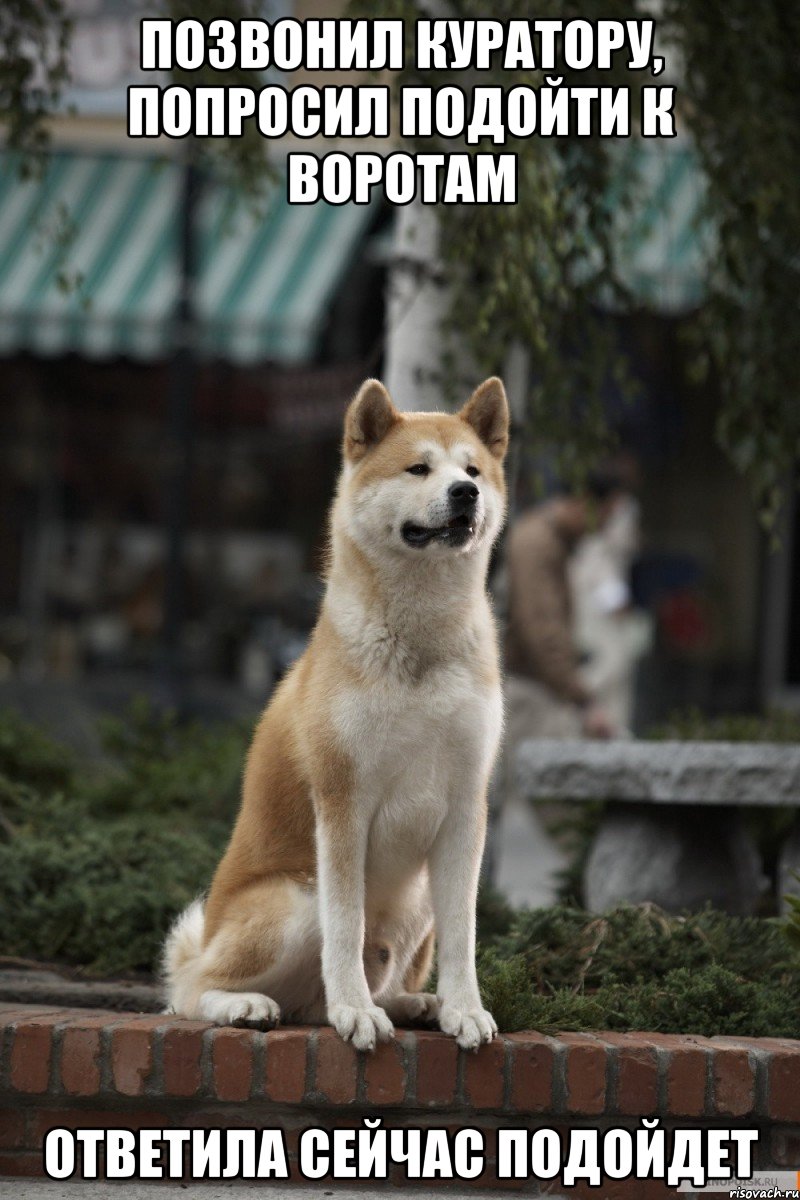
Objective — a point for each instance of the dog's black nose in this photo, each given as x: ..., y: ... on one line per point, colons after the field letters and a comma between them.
x: 462, y: 494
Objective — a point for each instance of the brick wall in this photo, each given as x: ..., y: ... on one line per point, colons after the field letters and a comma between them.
x: 82, y: 1068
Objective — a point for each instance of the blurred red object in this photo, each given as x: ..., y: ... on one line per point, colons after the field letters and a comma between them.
x: 684, y: 621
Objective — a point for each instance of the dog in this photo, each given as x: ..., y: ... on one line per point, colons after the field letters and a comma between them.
x: 363, y: 812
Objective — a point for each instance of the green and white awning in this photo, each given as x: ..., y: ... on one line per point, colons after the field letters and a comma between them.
x: 663, y: 245
x: 89, y: 263
x: 89, y: 256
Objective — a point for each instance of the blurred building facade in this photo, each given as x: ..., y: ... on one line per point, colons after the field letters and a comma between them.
x: 289, y: 314
x: 285, y: 316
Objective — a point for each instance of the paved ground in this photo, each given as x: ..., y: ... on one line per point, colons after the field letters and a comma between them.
x: 45, y: 1189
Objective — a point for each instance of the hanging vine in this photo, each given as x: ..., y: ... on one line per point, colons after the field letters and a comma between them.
x: 519, y: 272
x: 739, y: 100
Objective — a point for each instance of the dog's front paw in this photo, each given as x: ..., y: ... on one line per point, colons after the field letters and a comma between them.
x: 250, y: 1009
x: 469, y: 1026
x: 361, y: 1026
x: 413, y: 1006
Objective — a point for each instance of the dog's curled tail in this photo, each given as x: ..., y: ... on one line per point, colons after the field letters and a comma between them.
x: 182, y: 950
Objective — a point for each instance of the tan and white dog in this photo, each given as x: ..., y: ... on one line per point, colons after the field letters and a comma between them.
x: 364, y: 802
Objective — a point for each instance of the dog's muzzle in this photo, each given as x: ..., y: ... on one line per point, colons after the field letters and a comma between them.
x: 462, y: 498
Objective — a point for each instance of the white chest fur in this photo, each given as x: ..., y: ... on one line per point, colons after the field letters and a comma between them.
x: 416, y: 750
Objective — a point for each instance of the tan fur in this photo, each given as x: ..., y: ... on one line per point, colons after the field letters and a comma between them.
x: 304, y: 771
x: 418, y: 973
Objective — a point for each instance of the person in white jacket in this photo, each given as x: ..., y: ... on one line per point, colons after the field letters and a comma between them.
x: 610, y: 634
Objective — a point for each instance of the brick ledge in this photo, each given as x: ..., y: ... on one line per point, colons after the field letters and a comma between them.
x: 88, y: 1067
x: 84, y: 1053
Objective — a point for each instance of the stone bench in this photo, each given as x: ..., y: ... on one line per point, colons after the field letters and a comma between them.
x: 672, y: 832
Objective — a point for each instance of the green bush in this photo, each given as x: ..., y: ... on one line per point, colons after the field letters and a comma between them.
x: 30, y: 756
x: 100, y: 895
x: 160, y: 765
x: 691, y: 725
x: 96, y: 860
x: 637, y: 968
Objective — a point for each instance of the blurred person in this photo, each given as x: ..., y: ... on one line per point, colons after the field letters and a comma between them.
x: 611, y: 634
x: 547, y: 695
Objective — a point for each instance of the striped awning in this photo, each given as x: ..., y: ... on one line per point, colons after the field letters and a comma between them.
x: 89, y: 254
x: 663, y: 244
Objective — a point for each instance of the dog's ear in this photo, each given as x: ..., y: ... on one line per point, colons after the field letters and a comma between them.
x: 369, y: 418
x: 487, y: 412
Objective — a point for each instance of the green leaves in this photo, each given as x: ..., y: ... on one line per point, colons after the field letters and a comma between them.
x: 34, y: 39
x: 638, y: 968
x: 239, y: 161
x: 516, y: 266
x: 791, y: 925
x: 160, y: 765
x: 97, y: 859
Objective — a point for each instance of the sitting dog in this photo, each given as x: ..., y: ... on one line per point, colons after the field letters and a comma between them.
x: 363, y: 814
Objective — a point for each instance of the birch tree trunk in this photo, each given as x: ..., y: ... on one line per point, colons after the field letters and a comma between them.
x: 418, y: 300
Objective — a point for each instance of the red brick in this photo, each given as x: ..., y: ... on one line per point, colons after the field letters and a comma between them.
x: 610, y: 1189
x: 531, y: 1073
x: 83, y: 1018
x: 182, y: 1047
x: 686, y: 1073
x: 488, y: 1179
x: 585, y: 1074
x: 43, y: 1119
x: 437, y: 1064
x: 619, y: 1189
x: 784, y: 1084
x: 12, y: 1129
x: 310, y: 1121
x: 21, y: 1164
x: 12, y: 1013
x: 80, y: 1061
x: 653, y: 1189
x: 734, y: 1083
x: 231, y: 1116
x: 285, y: 1080
x: 385, y: 1073
x: 337, y: 1065
x: 792, y: 1045
x: 232, y: 1063
x: 484, y: 1083
x: 785, y: 1148
x: 81, y: 1050
x: 637, y: 1073
x: 132, y: 1056
x: 750, y: 1043
x: 31, y: 1054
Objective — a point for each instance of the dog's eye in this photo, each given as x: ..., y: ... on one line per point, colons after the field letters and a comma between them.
x: 472, y: 471
x: 419, y: 469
